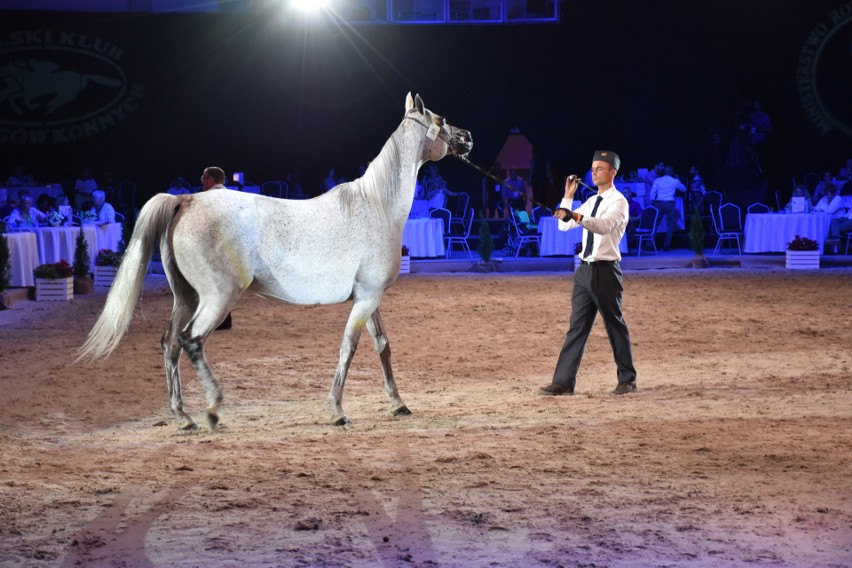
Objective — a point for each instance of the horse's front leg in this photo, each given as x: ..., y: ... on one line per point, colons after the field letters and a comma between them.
x: 360, y: 314
x: 380, y: 342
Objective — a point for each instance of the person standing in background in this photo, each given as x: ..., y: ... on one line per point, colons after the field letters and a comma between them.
x: 214, y: 178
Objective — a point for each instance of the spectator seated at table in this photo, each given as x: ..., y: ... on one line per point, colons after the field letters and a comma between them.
x: 105, y: 213
x: 634, y: 211
x: 64, y: 209
x: 831, y: 203
x: 840, y: 225
x: 436, y: 188
x: 819, y: 191
x: 46, y: 204
x: 8, y: 203
x: 25, y: 215
x: 800, y: 201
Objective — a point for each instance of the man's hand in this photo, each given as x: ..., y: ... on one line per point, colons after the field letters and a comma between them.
x: 563, y: 214
x: 571, y: 184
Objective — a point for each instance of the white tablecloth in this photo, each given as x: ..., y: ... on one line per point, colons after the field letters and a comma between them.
x: 57, y: 243
x: 419, y: 209
x: 770, y: 232
x: 555, y: 242
x: 424, y: 237
x: 109, y: 236
x: 23, y: 254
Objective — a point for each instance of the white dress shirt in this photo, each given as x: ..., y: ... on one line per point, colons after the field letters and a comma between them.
x: 833, y: 207
x: 607, y: 225
x: 665, y: 188
x: 106, y: 214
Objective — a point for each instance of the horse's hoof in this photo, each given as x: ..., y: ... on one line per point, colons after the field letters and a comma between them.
x: 188, y: 426
x: 340, y: 421
x: 212, y: 420
x: 401, y: 411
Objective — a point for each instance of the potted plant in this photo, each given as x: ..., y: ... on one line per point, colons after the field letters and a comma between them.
x: 405, y: 263
x: 696, y: 241
x: 485, y: 247
x: 56, y: 219
x: 5, y: 272
x: 83, y: 283
x: 54, y: 282
x: 106, y: 266
x: 802, y: 253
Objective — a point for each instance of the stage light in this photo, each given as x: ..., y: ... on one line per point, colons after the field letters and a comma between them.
x: 309, y: 5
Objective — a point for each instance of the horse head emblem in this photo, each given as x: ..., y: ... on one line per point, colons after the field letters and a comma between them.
x: 441, y: 137
x: 44, y: 86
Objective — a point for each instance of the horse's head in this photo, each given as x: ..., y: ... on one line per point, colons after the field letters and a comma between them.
x: 441, y: 137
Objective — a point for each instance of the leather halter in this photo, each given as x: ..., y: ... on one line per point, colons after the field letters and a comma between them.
x: 440, y: 133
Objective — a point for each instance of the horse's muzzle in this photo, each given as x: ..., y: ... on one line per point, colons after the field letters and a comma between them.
x: 461, y: 142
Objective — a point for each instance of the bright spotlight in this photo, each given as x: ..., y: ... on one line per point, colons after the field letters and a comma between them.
x: 309, y: 5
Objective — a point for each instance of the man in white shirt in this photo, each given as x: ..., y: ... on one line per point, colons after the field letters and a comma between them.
x: 214, y: 178
x: 597, y: 282
x: 840, y: 225
x: 663, y: 193
x: 830, y: 203
x: 104, y: 211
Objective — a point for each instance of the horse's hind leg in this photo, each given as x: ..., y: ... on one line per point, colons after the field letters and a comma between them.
x: 192, y: 339
x: 171, y: 357
x: 380, y: 342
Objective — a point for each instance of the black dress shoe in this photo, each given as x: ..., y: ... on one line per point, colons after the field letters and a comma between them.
x: 624, y: 388
x: 555, y: 389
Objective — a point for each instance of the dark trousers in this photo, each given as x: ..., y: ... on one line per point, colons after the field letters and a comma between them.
x: 597, y: 288
x: 668, y: 211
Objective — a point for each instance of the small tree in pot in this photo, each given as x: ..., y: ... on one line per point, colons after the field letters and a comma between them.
x: 485, y: 247
x: 83, y: 283
x: 696, y: 240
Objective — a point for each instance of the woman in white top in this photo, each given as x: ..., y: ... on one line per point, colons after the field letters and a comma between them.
x: 25, y: 215
x: 831, y: 203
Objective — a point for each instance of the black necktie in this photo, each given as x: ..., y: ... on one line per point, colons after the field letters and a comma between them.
x: 590, y: 239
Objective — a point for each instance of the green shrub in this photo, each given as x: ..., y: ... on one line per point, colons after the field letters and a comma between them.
x: 81, y: 256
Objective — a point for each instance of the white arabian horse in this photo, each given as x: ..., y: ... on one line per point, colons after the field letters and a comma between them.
x: 343, y: 245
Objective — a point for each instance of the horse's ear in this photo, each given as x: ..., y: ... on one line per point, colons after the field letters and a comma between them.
x: 409, y: 102
x: 418, y: 103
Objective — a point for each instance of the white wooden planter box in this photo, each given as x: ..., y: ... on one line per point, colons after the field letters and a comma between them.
x: 104, y: 275
x: 59, y: 290
x: 405, y: 265
x: 802, y: 259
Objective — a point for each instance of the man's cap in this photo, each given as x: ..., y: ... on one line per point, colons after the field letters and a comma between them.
x: 610, y: 158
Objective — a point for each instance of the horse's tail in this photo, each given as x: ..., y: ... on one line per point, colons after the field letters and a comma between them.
x: 155, y: 216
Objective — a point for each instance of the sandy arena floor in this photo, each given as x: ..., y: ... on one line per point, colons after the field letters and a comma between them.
x: 735, y: 452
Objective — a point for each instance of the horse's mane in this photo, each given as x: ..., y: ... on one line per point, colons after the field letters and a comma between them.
x: 379, y: 184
